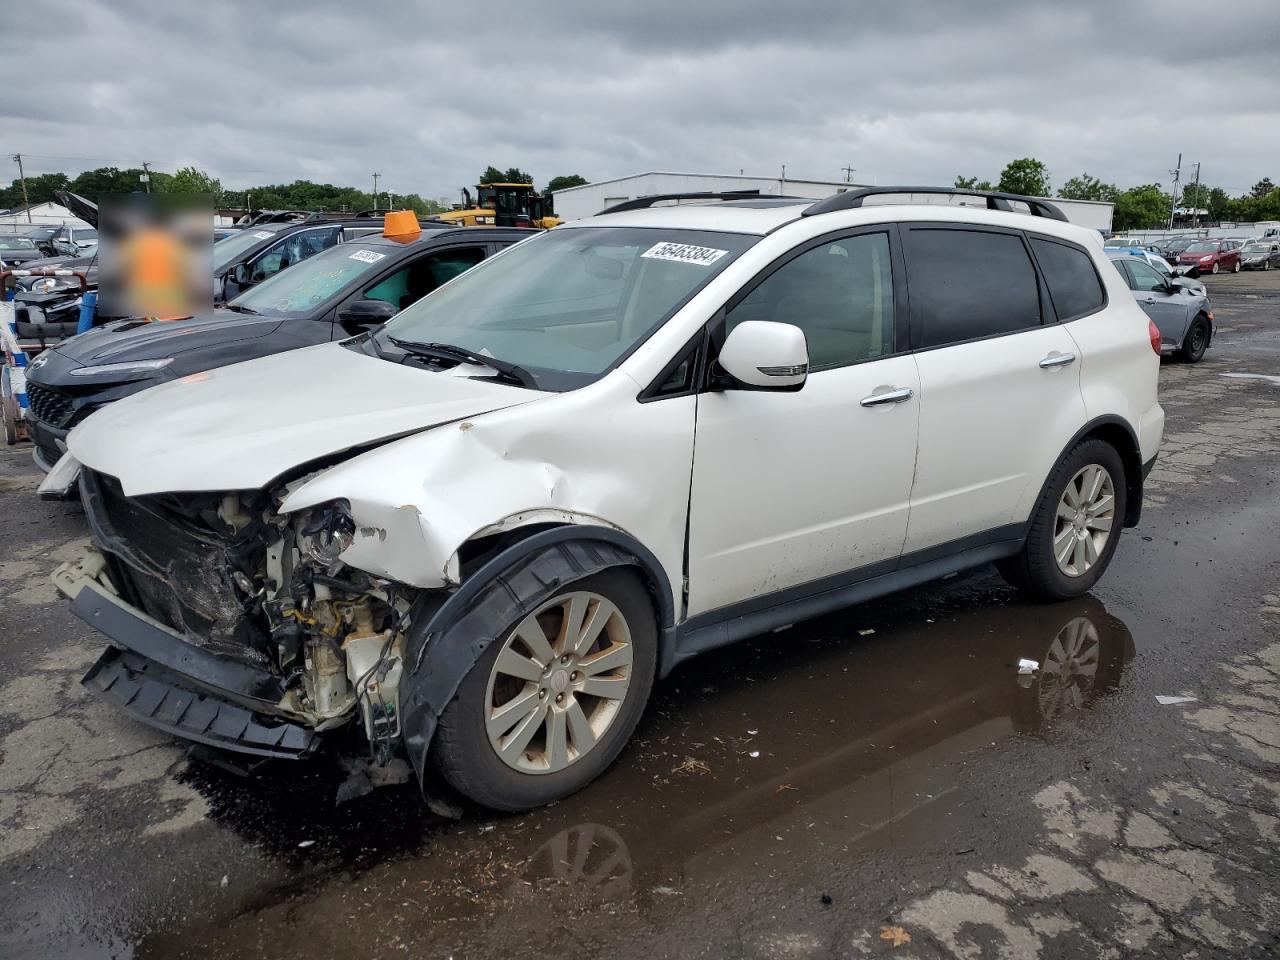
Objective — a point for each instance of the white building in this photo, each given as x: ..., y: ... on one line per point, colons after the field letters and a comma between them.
x: 48, y: 214
x: 574, y: 203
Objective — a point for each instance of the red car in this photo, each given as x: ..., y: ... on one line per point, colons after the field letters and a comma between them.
x: 1212, y: 256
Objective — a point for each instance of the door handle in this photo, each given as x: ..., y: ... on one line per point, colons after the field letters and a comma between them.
x: 889, y: 396
x: 1056, y: 359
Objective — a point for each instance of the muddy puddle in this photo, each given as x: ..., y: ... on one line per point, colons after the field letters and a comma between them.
x: 833, y: 739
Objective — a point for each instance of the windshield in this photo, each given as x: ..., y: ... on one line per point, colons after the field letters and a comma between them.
x: 227, y: 249
x: 566, y: 305
x: 1202, y: 247
x: 1179, y: 244
x: 16, y: 243
x: 1257, y: 249
x: 1119, y: 242
x: 297, y: 291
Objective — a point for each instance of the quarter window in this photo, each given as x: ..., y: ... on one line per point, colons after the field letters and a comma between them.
x: 967, y: 284
x: 1069, y: 274
x: 840, y: 294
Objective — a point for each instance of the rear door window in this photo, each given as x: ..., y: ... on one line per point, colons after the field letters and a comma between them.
x: 1068, y: 272
x: 968, y: 284
x: 414, y: 281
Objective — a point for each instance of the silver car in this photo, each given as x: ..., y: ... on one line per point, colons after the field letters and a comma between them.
x: 1179, y: 307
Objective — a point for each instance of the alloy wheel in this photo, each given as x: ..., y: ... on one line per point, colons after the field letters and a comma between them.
x: 1215, y: 266
x: 559, y: 683
x: 1086, y: 513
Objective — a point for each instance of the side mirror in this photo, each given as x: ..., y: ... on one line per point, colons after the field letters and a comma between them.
x: 240, y: 275
x: 764, y: 355
x: 366, y: 313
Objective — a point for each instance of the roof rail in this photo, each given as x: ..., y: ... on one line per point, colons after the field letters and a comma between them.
x: 643, y: 203
x: 852, y: 199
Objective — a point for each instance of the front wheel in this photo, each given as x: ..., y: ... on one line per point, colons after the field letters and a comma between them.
x: 1215, y: 267
x: 1074, y: 527
x: 553, y: 700
x: 1196, y: 341
x: 1266, y: 264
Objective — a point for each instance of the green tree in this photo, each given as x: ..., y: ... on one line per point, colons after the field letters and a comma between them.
x: 1262, y: 188
x: 194, y: 181
x: 1027, y: 176
x: 512, y: 175
x: 40, y: 189
x: 1219, y: 204
x: 1085, y: 187
x: 105, y: 181
x: 972, y: 183
x: 1195, y: 196
x: 1141, y: 208
x: 563, y: 183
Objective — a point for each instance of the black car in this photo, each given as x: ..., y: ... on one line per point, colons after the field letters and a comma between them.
x: 17, y: 250
x: 42, y: 236
x: 340, y: 291
x: 1170, y: 249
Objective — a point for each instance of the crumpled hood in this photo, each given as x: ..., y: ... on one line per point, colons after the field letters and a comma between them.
x: 241, y: 426
x: 139, y: 340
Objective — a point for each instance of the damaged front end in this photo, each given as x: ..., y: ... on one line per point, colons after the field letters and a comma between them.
x: 234, y: 624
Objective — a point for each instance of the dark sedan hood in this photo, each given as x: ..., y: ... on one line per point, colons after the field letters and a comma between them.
x: 139, y: 340
x: 24, y: 257
x: 86, y: 210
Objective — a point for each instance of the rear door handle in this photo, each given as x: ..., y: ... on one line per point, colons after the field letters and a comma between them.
x: 1056, y: 359
x: 889, y: 396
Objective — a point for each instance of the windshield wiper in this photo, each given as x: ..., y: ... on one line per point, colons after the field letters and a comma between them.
x: 240, y: 308
x: 448, y: 351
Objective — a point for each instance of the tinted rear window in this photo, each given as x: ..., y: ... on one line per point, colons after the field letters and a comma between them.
x: 966, y: 284
x: 1073, y: 283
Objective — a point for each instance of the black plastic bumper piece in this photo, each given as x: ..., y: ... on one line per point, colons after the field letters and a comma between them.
x: 160, y: 698
x: 240, y: 682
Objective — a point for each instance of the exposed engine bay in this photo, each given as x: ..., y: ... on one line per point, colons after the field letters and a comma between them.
x: 232, y: 575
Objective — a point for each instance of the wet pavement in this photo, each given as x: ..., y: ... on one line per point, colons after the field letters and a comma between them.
x: 878, y: 782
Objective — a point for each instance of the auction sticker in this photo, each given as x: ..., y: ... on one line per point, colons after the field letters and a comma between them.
x: 684, y: 253
x: 367, y: 256
x: 264, y: 234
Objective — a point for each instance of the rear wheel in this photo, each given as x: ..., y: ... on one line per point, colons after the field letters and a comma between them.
x: 1236, y: 268
x: 1074, y: 527
x: 554, y: 699
x: 1196, y: 341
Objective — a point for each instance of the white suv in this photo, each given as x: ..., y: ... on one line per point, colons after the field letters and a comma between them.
x: 482, y: 531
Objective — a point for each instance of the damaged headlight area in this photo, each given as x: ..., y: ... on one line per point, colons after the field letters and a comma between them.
x: 233, y: 575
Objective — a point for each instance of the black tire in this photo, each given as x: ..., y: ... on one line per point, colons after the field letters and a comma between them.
x: 1216, y: 268
x: 1266, y: 264
x: 1034, y: 570
x: 469, y: 762
x: 1236, y: 268
x: 1196, y: 341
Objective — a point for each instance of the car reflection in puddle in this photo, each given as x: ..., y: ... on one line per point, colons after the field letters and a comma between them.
x: 838, y: 737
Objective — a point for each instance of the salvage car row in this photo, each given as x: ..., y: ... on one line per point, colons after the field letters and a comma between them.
x: 452, y: 498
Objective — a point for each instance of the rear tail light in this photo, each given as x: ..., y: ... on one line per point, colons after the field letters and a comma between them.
x: 1154, y: 333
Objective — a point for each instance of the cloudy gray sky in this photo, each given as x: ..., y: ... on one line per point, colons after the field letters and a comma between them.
x: 430, y: 93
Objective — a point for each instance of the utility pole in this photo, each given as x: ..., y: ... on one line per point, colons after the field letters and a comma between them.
x: 146, y: 174
x: 1173, y: 203
x: 375, y: 191
x: 1195, y: 211
x: 23, y: 177
x: 848, y: 173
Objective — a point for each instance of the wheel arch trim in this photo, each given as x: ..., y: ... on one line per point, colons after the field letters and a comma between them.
x: 449, y: 633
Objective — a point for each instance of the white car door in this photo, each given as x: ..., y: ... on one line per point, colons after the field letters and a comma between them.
x: 999, y: 383
x: 792, y: 487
